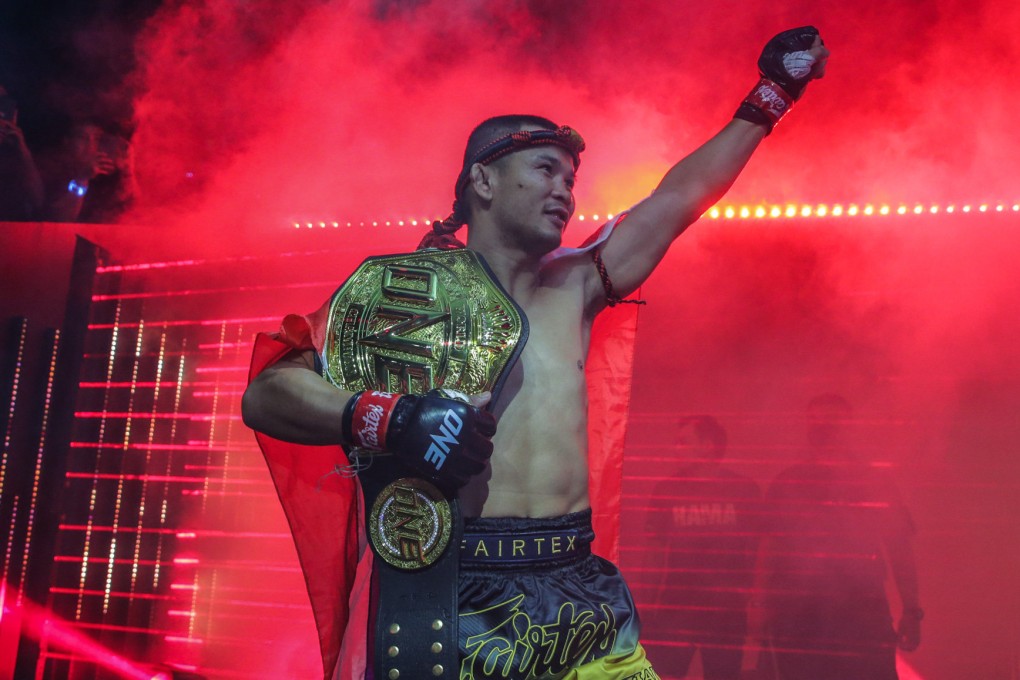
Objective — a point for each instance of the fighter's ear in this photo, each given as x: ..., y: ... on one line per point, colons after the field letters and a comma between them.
x: 480, y: 179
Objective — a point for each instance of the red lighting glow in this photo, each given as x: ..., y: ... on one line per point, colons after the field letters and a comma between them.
x: 55, y: 633
x: 866, y: 253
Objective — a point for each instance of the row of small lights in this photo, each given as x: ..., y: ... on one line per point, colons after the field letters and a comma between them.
x: 852, y: 210
x: 425, y: 222
x: 745, y: 212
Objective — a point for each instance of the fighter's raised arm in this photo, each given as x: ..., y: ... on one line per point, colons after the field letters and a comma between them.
x: 789, y: 61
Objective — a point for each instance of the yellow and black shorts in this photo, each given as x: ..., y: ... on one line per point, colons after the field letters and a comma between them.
x: 536, y: 603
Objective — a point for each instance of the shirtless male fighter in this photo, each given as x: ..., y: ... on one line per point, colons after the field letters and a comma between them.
x: 518, y: 465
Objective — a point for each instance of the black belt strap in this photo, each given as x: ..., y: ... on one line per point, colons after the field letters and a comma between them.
x: 413, y: 619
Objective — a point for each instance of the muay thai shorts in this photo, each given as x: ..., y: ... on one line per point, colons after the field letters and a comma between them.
x: 536, y: 603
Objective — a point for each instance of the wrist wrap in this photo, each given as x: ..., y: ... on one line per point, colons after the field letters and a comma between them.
x: 766, y: 104
x: 366, y: 418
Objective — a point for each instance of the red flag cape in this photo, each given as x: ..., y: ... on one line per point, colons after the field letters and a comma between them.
x: 324, y: 511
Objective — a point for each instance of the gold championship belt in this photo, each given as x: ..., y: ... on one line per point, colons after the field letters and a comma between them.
x: 410, y: 323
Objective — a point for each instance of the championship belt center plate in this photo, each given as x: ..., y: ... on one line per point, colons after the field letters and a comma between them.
x: 411, y: 323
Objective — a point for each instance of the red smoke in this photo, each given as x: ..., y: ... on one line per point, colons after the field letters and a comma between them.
x: 260, y: 114
x: 257, y: 115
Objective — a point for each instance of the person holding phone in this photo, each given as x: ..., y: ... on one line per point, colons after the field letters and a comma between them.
x: 21, y: 188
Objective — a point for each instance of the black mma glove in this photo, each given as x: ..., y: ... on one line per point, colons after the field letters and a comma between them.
x: 440, y: 434
x: 785, y: 66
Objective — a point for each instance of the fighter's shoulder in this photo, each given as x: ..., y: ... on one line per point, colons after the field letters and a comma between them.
x: 568, y: 273
x: 564, y: 259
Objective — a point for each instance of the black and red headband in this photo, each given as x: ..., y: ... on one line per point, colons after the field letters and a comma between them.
x: 441, y: 234
x: 564, y: 137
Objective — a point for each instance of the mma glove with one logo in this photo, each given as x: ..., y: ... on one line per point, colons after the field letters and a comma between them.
x: 440, y: 435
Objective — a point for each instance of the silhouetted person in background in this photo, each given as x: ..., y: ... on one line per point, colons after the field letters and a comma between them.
x: 88, y: 178
x: 837, y: 524
x: 21, y: 189
x: 703, y: 524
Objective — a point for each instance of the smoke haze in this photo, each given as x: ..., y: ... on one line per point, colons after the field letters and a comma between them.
x: 257, y: 115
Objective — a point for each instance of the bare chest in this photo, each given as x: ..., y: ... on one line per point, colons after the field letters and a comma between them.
x: 539, y: 463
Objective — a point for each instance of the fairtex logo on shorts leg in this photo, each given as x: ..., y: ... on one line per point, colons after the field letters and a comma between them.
x: 447, y: 436
x: 517, y: 646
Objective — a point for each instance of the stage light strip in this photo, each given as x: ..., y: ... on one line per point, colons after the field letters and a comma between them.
x: 128, y: 415
x: 206, y: 395
x: 119, y: 495
x: 40, y: 450
x: 211, y: 436
x: 8, y: 553
x: 115, y: 594
x: 13, y: 401
x: 100, y: 447
x: 122, y: 629
x: 821, y: 210
x: 157, y: 447
x: 102, y: 355
x: 245, y: 344
x: 258, y: 469
x: 411, y: 222
x: 186, y: 640
x: 238, y: 565
x: 146, y: 266
x: 224, y: 460
x: 155, y: 385
x: 254, y: 604
x: 76, y: 559
x: 217, y: 533
x: 193, y: 600
x: 241, y: 346
x: 194, y: 322
x: 207, y: 291
x: 143, y: 496
x: 160, y: 478
x: 241, y: 565
x: 738, y: 211
x: 5, y: 457
x: 228, y: 494
x: 96, y: 528
x: 178, y: 561
x: 164, y: 501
